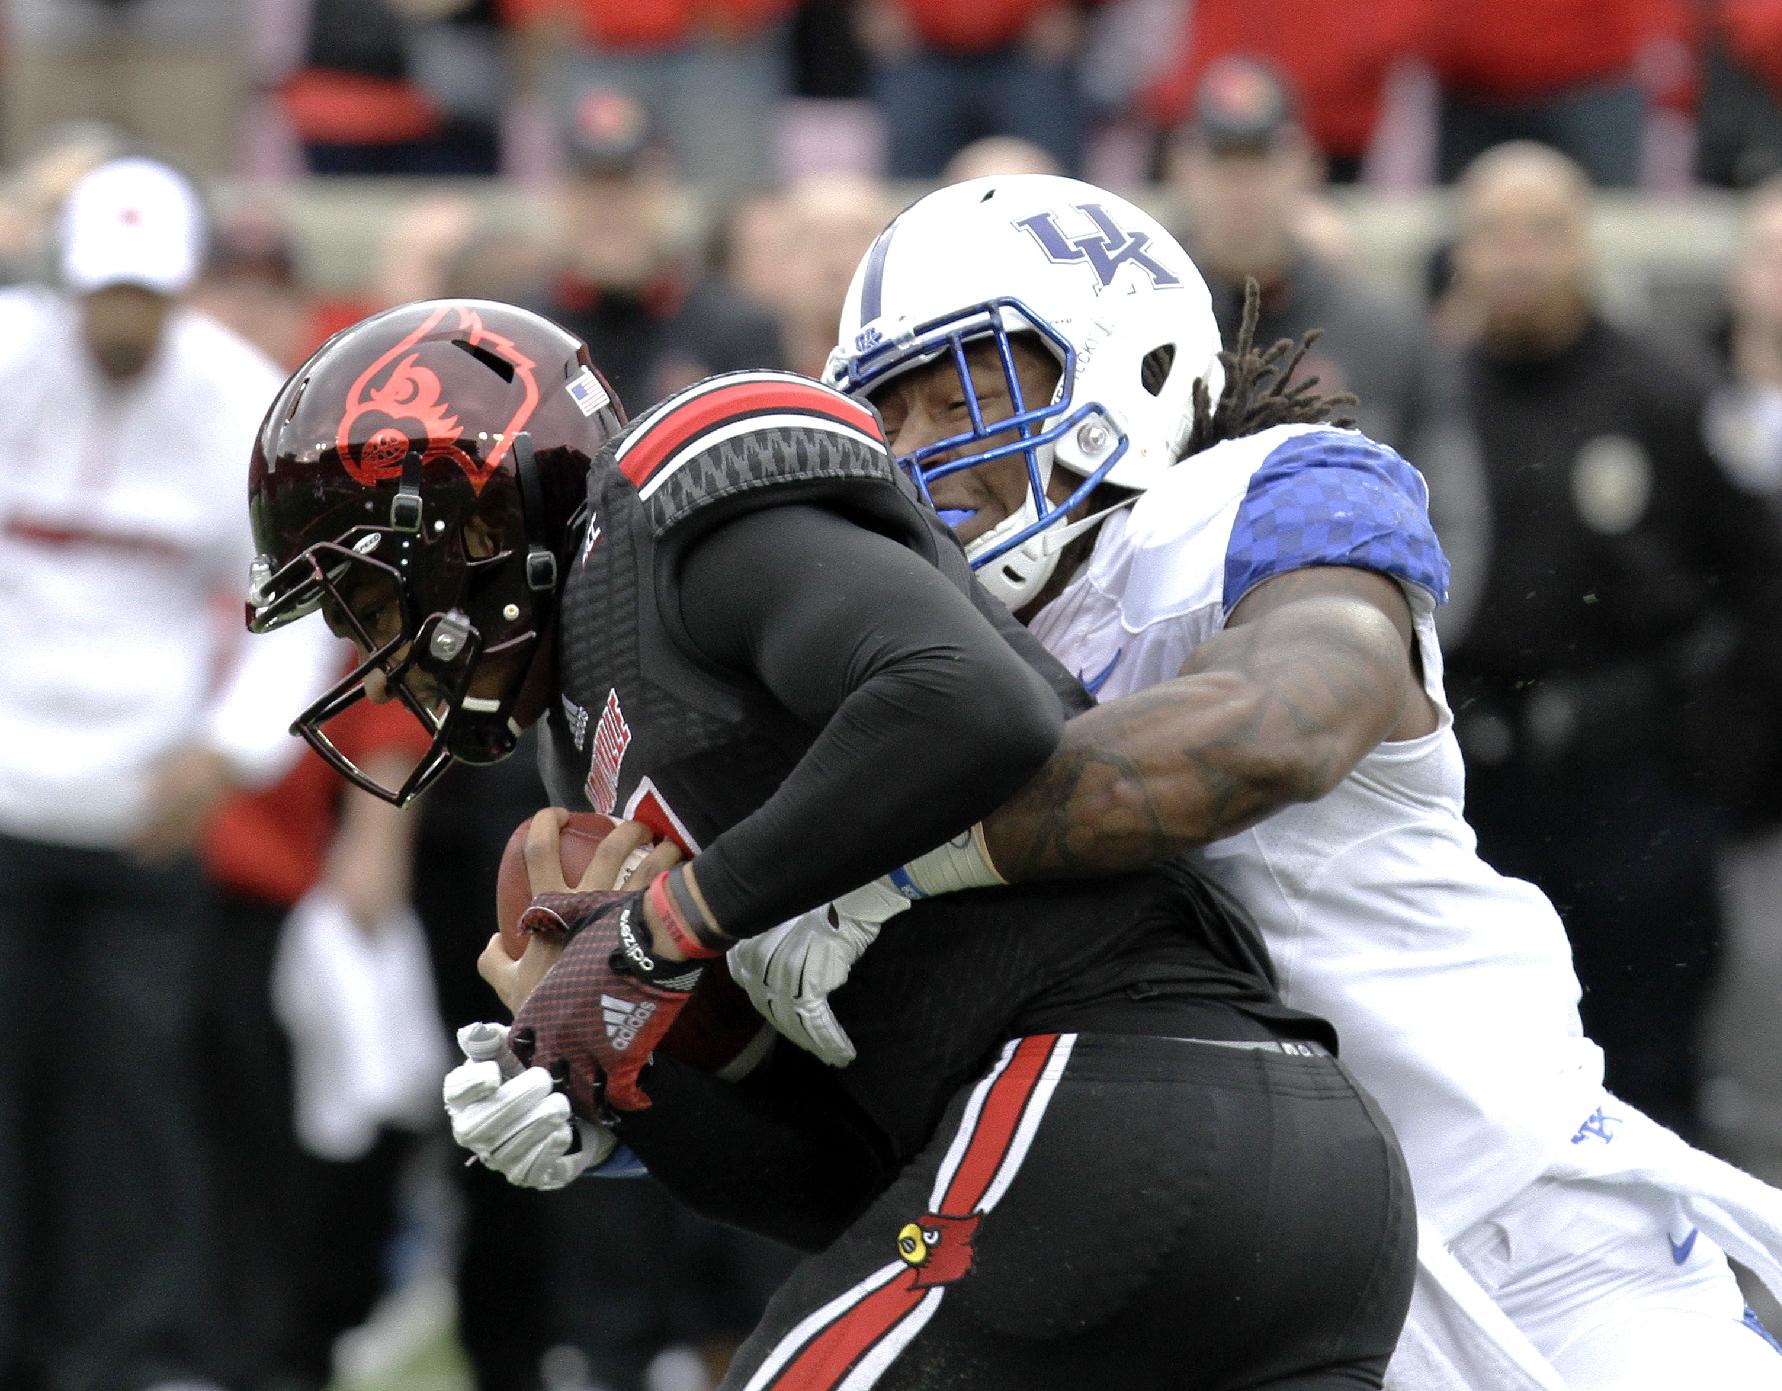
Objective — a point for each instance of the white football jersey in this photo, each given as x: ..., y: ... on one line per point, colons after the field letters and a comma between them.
x: 1450, y: 985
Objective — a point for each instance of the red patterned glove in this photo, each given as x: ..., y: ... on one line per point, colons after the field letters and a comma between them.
x: 603, y: 1007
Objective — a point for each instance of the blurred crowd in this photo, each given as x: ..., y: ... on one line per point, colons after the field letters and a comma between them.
x: 230, y: 983
x: 754, y: 90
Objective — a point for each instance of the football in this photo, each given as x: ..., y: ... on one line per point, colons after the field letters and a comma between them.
x: 717, y: 1032
x: 576, y: 843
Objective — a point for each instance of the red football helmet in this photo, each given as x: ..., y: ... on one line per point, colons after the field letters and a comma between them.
x: 418, y: 479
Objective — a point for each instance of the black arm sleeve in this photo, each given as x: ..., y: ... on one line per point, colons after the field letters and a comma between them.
x: 929, y: 720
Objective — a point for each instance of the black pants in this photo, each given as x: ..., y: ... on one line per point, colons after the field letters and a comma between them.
x: 1122, y: 1213
x: 104, y: 1211
x: 304, y: 1242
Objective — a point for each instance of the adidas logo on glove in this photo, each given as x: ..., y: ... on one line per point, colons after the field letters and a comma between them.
x: 623, y: 1019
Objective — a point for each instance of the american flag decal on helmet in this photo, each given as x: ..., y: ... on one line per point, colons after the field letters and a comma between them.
x: 585, y: 390
x: 848, y: 1343
x: 723, y: 408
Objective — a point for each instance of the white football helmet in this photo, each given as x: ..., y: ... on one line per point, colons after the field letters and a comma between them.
x: 1098, y: 282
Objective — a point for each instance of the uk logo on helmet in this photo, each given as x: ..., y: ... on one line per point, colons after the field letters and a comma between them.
x: 1104, y: 249
x: 407, y: 394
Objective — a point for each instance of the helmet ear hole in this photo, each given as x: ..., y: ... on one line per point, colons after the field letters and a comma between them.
x: 497, y: 364
x: 481, y: 542
x: 1154, y: 368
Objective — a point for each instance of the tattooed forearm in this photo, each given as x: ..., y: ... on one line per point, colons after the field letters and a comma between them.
x: 1273, y: 711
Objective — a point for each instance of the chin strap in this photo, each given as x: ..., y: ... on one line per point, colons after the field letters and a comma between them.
x: 1016, y: 575
x: 541, y: 561
x: 1034, y: 560
x: 1055, y: 540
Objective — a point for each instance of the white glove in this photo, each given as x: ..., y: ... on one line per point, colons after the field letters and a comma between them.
x: 515, y: 1120
x: 874, y: 904
x: 790, y: 970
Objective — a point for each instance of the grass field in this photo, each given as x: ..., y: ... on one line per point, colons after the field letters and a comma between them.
x: 408, y: 1345
x: 434, y: 1366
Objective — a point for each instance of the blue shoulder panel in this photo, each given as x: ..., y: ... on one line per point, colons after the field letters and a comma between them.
x: 1334, y: 498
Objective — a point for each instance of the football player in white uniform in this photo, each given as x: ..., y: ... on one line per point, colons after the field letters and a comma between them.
x: 1257, y: 620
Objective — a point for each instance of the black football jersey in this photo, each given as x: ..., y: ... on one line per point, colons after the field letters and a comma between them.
x: 646, y: 729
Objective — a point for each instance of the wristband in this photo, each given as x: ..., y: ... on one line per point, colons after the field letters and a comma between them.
x: 663, y: 893
x: 962, y: 863
x: 705, y: 931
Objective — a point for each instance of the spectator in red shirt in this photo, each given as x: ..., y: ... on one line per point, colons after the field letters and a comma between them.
x: 1335, y: 54
x: 710, y: 73
x: 1566, y: 73
x: 946, y: 74
x: 302, y: 1252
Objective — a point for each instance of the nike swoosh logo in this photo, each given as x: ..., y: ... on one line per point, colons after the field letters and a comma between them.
x: 1680, y: 1249
x: 1093, y: 684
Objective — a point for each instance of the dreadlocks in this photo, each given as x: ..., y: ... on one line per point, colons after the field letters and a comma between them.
x: 1259, y: 387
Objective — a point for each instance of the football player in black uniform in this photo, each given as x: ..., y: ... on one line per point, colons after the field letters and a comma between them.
x: 1084, y: 1145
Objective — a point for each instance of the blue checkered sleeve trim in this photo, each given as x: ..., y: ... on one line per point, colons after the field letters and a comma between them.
x: 1334, y: 498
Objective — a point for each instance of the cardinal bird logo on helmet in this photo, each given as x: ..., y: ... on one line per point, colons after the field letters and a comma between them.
x: 407, y: 395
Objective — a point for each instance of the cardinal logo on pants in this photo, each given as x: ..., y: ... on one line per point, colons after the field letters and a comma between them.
x: 857, y: 1335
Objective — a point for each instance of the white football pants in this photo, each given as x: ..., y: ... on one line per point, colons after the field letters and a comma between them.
x: 1617, y: 1291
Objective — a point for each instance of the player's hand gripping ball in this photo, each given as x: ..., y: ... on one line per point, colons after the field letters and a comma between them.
x: 583, y: 852
x: 578, y: 838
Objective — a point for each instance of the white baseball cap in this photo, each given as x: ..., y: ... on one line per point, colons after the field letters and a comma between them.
x: 131, y: 222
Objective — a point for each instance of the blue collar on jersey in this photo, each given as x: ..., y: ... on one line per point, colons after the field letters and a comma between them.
x: 877, y: 359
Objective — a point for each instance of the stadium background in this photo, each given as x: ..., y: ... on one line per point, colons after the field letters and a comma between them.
x: 689, y: 184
